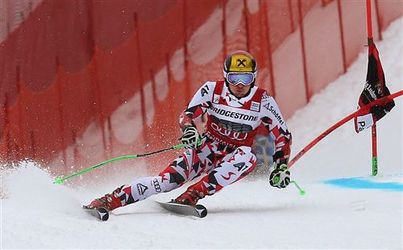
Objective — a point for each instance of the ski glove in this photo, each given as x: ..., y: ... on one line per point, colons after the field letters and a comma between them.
x: 190, y: 137
x: 280, y: 176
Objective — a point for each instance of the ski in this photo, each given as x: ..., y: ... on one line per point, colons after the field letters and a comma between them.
x: 100, y: 213
x: 197, y: 211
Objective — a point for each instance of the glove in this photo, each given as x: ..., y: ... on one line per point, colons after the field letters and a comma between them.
x: 280, y: 176
x: 190, y: 137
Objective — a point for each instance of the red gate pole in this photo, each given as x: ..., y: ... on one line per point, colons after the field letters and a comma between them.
x: 373, y: 128
x: 60, y: 112
x: 363, y: 110
x: 267, y: 31
x: 224, y: 30
x: 140, y: 82
x: 378, y: 20
x: 187, y: 79
x: 245, y: 13
x: 301, y: 28
x: 343, y: 48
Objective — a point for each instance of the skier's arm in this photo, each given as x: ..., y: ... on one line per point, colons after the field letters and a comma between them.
x: 275, y: 123
x: 197, y: 106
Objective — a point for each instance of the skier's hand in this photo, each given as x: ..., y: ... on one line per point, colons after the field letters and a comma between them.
x: 280, y: 176
x: 190, y: 137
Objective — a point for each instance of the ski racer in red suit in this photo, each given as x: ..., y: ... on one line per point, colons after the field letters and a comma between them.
x: 223, y: 154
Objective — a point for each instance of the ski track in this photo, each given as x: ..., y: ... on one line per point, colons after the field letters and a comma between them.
x: 40, y: 215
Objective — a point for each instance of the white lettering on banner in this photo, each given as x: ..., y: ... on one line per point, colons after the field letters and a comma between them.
x: 230, y: 134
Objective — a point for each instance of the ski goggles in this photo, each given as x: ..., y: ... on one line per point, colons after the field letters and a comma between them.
x: 244, y: 78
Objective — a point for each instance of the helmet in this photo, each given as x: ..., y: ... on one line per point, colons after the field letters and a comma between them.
x: 240, y: 68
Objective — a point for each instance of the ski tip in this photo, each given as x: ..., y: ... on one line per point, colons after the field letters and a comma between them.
x: 101, y: 213
x: 201, y: 210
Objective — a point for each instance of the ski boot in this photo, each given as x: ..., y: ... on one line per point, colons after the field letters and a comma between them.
x: 108, y: 201
x: 190, y: 197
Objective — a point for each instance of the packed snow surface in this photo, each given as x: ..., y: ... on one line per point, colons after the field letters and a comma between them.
x: 344, y: 207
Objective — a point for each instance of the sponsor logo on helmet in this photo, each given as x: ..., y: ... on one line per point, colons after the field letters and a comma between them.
x: 241, y: 63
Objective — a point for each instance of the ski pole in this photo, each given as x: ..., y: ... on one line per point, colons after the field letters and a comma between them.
x: 60, y: 179
x: 301, y: 191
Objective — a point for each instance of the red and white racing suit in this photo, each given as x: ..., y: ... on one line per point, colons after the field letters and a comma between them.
x: 225, y: 155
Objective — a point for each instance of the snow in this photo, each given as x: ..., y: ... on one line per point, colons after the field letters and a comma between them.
x: 36, y: 214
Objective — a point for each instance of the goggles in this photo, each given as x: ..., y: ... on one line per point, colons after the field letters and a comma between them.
x: 244, y: 78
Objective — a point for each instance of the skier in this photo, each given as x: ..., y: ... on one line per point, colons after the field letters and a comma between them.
x: 235, y: 108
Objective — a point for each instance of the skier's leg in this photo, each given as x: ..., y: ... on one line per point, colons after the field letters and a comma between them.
x: 232, y: 168
x: 184, y: 168
x: 172, y: 177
